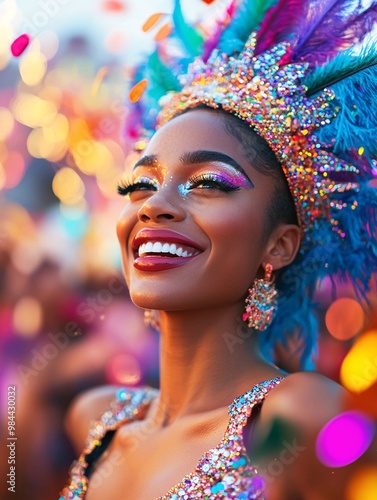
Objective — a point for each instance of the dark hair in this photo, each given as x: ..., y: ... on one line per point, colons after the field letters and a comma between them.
x: 263, y: 159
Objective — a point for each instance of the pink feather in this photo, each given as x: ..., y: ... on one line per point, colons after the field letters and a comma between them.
x: 280, y: 22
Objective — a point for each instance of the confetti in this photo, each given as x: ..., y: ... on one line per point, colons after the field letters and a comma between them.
x: 138, y: 90
x: 163, y: 32
x: 20, y: 44
x: 152, y: 21
x: 344, y: 439
x: 101, y: 73
x: 114, y: 6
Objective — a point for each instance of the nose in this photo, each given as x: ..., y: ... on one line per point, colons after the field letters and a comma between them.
x: 161, y: 206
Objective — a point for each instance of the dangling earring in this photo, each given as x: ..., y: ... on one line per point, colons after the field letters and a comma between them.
x: 261, y: 303
x: 152, y: 319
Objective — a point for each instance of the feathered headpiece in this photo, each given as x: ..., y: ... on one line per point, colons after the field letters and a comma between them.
x: 304, y: 76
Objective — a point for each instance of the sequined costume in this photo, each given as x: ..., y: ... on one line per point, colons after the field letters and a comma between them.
x: 222, y: 472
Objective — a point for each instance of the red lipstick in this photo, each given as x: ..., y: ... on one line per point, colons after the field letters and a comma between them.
x: 162, y: 249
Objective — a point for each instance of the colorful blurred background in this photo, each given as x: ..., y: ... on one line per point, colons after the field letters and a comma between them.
x: 66, y: 321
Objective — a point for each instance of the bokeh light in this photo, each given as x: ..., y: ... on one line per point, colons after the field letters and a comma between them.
x: 363, y: 484
x: 49, y: 44
x: 344, y: 439
x: 32, y: 111
x: 27, y: 317
x: 116, y: 41
x: 6, y: 123
x: 6, y: 40
x: 359, y: 368
x: 124, y: 369
x: 344, y: 318
x: 68, y: 186
x: 14, y: 168
x: 26, y: 256
x: 33, y: 68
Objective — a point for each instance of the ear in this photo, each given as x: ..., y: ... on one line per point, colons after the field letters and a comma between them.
x: 282, y: 246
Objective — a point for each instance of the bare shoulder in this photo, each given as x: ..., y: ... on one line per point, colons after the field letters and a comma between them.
x: 85, y: 408
x: 306, y: 399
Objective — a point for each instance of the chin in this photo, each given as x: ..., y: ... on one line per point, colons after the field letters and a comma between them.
x: 155, y: 299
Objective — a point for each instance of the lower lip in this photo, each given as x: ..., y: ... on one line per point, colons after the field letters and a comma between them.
x: 151, y: 263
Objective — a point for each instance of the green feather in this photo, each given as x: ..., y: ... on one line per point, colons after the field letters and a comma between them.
x: 161, y: 77
x: 248, y: 17
x: 191, y: 39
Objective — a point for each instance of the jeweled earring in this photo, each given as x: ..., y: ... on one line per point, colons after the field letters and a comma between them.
x: 261, y: 303
x: 152, y: 319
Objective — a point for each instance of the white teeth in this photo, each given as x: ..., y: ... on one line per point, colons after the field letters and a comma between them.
x: 148, y: 247
x: 157, y: 248
x: 161, y: 247
x: 165, y: 248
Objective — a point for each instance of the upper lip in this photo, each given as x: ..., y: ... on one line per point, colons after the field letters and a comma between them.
x: 166, y: 235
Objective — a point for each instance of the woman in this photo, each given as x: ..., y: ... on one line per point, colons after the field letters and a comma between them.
x: 239, y: 186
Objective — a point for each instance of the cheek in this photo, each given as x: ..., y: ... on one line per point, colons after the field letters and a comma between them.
x: 236, y: 245
x: 126, y: 222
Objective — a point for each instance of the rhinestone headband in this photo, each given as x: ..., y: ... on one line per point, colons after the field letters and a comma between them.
x: 272, y: 99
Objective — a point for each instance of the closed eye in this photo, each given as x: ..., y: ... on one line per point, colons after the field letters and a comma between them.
x: 141, y: 184
x: 212, y: 181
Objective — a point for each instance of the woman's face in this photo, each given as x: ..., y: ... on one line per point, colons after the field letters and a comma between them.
x: 192, y: 230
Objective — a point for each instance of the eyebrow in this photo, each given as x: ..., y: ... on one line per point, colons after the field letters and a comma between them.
x: 195, y: 157
x: 147, y: 161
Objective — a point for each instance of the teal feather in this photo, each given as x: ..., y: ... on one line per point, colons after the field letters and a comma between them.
x: 161, y: 77
x: 191, y: 39
x: 247, y: 18
x: 346, y: 64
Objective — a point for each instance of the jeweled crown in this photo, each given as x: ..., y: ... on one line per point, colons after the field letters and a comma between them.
x: 270, y: 97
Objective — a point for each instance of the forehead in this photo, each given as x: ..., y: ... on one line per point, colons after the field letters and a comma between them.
x: 197, y: 129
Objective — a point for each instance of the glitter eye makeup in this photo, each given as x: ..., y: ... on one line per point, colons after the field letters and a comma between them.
x: 223, y: 182
x: 139, y: 184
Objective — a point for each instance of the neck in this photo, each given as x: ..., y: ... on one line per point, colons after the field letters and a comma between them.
x: 207, y: 359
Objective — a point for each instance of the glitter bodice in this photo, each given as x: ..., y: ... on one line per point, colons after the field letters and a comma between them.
x: 222, y: 472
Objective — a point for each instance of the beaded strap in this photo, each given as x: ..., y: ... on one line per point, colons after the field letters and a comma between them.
x: 128, y: 406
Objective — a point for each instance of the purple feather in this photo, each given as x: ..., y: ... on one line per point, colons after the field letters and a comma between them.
x: 332, y: 26
x: 280, y: 22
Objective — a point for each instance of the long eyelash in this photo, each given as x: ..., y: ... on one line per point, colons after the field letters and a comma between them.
x: 223, y: 184
x: 126, y: 187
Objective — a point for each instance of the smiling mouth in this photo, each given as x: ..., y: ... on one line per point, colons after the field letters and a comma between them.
x: 165, y: 249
